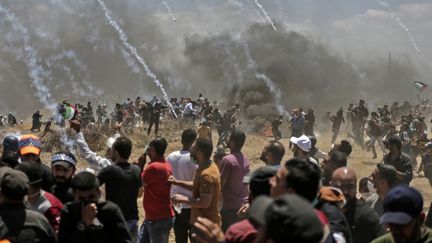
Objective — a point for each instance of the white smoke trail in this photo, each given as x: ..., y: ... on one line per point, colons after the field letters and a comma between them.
x: 265, y: 14
x: 89, y: 90
x: 275, y: 91
x: 252, y: 65
x: 169, y: 11
x: 134, y: 52
x: 35, y: 70
x: 31, y: 59
x: 386, y: 5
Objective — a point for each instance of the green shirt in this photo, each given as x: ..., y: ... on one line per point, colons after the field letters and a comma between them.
x: 388, y: 238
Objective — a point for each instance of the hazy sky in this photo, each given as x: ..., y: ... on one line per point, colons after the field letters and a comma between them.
x: 360, y: 30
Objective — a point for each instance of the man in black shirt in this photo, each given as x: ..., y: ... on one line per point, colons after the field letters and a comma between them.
x: 88, y: 219
x: 362, y: 220
x: 155, y: 111
x: 275, y: 128
x: 399, y: 160
x: 123, y: 182
x: 18, y: 224
x: 63, y: 168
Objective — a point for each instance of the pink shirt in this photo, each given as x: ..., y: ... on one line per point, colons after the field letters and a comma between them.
x: 233, y: 168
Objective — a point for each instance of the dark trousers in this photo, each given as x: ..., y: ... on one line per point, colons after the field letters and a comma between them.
x: 156, y: 123
x: 182, y: 227
x: 229, y: 217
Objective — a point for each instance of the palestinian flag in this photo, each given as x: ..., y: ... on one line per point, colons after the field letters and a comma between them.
x: 420, y: 86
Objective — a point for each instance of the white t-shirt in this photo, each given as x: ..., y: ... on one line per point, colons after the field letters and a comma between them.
x: 182, y: 169
x: 189, y: 110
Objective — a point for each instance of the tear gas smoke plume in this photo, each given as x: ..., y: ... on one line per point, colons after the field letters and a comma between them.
x: 217, y: 49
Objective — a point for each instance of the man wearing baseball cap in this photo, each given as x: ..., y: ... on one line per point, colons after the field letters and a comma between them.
x: 403, y: 214
x: 19, y: 224
x: 301, y: 148
x: 287, y: 212
x: 29, y: 149
x: 63, y: 168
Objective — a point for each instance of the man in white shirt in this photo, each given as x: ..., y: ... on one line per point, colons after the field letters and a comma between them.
x: 183, y: 169
x: 189, y: 112
x: 95, y: 161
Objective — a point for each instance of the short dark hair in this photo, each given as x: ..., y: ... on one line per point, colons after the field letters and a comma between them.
x: 338, y: 159
x: 160, y: 145
x: 123, y: 146
x: 394, y: 140
x: 388, y: 173
x: 239, y: 137
x: 276, y: 149
x: 304, y: 177
x: 345, y: 147
x: 188, y: 136
x: 205, y: 146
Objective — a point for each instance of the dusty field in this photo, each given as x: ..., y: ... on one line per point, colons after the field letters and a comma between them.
x: 361, y: 161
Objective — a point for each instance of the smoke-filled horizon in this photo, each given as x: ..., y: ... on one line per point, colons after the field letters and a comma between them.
x: 229, y: 52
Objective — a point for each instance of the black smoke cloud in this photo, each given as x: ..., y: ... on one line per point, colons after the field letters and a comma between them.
x: 189, y: 59
x: 307, y: 72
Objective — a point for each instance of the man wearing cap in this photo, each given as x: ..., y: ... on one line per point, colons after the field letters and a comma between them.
x: 384, y: 178
x: 123, y: 182
x: 20, y: 224
x: 403, y: 215
x: 9, y: 156
x: 29, y: 151
x: 40, y: 200
x: 233, y: 168
x: 63, y: 168
x: 399, y: 160
x: 287, y: 212
x: 301, y: 148
x: 95, y: 161
x: 362, y: 220
x: 272, y: 154
x: 88, y: 218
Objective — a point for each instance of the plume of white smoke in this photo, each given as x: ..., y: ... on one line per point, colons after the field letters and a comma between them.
x: 265, y: 14
x: 386, y: 5
x: 134, y: 51
x: 34, y: 68
x: 170, y: 12
x: 87, y: 89
x: 31, y: 58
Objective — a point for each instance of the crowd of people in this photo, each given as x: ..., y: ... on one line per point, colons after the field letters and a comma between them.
x: 208, y: 193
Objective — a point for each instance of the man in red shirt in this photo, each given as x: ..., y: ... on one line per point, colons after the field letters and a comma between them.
x: 159, y: 213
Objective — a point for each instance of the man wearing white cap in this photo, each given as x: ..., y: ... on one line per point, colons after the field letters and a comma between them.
x: 301, y: 148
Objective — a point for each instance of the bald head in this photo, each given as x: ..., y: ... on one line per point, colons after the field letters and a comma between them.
x: 344, y: 174
x: 345, y: 179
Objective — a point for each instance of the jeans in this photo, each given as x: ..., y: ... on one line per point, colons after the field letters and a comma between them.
x: 155, y: 231
x: 132, y: 226
x: 182, y: 229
